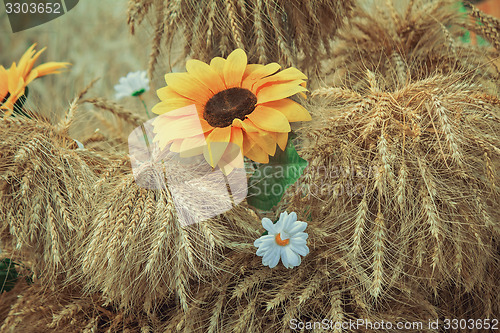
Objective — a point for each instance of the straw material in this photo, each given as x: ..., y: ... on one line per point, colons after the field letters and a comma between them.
x: 401, y: 193
x: 287, y: 32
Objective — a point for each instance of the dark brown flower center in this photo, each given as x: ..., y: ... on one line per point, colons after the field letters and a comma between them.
x: 229, y: 104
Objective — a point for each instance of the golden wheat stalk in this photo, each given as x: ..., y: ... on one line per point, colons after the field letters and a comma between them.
x: 408, y: 44
x: 426, y: 196
x: 280, y: 31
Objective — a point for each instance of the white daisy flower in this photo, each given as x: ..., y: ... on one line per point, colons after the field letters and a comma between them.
x: 286, y: 240
x: 134, y: 84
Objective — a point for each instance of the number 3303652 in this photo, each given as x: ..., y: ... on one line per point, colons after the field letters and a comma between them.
x: 33, y: 8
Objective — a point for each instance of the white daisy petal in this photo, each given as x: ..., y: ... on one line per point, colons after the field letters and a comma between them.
x: 271, y: 258
x: 302, y: 250
x: 290, y: 221
x: 271, y: 253
x: 257, y: 242
x: 284, y: 256
x: 268, y: 225
x: 134, y: 84
x: 293, y: 258
x: 262, y: 240
x: 298, y: 227
x: 264, y: 262
x: 283, y: 216
x: 264, y: 247
x: 297, y: 241
x: 281, y: 223
x: 274, y: 261
x: 301, y: 235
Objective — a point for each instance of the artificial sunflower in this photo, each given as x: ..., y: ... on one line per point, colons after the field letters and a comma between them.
x: 235, y: 103
x: 13, y: 81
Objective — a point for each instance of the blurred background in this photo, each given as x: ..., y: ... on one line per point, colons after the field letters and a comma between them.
x: 95, y: 38
x: 491, y: 7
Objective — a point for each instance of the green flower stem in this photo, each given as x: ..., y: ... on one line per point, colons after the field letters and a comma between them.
x: 145, y: 106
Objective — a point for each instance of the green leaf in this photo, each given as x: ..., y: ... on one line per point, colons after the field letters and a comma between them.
x: 269, y: 182
x: 8, y: 275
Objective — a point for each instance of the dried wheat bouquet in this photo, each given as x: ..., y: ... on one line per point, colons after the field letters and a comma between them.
x: 408, y: 177
x: 288, y: 32
x: 395, y: 218
x: 46, y: 194
x: 407, y: 41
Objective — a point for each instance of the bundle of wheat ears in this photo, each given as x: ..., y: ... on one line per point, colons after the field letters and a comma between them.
x: 287, y: 32
x: 401, y: 192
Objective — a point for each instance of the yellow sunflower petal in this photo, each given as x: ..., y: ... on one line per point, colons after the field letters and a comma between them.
x: 257, y: 154
x: 293, y: 111
x: 26, y: 59
x: 31, y: 76
x: 289, y: 74
x: 206, y: 75
x: 31, y: 63
x: 196, y: 126
x: 193, y: 146
x: 279, y: 91
x: 228, y: 167
x: 258, y: 74
x: 234, y: 68
x: 51, y: 68
x: 244, y: 125
x: 237, y: 136
x: 28, y: 54
x: 12, y: 77
x: 265, y: 141
x: 171, y: 105
x: 249, y: 122
x: 16, y: 89
x: 187, y: 86
x: 250, y: 69
x: 205, y: 126
x: 167, y: 92
x: 217, y: 64
x: 8, y: 106
x: 186, y: 111
x: 219, y: 134
x: 4, y: 83
x: 16, y: 82
x: 176, y: 145
x: 231, y: 159
x: 269, y: 119
x: 282, y: 139
x: 169, y: 130
x: 248, y: 143
x: 217, y: 142
x: 9, y: 103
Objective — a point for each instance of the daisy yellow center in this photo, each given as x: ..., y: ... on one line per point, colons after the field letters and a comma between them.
x: 281, y: 242
x: 229, y: 104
